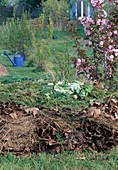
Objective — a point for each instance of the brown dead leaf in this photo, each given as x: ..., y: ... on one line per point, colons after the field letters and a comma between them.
x: 108, y: 116
x: 32, y: 110
x: 94, y: 104
x: 53, y: 131
x: 97, y: 113
x: 58, y: 149
x: 111, y: 117
x: 94, y: 112
x: 13, y: 115
x: 56, y: 110
x: 50, y: 142
x: 70, y: 147
x: 116, y: 116
x: 27, y: 152
x: 93, y: 146
x: 114, y: 101
x: 56, y: 124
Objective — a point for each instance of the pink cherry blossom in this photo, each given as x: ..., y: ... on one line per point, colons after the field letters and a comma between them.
x: 110, y: 47
x: 101, y: 43
x: 82, y: 60
x: 104, y: 21
x: 97, y: 3
x: 90, y: 43
x: 111, y: 57
x: 87, y: 32
x: 87, y: 69
x: 109, y: 2
x: 99, y: 21
x: 83, y: 41
x: 109, y: 26
x: 109, y: 33
x: 115, y: 32
x: 73, y: 65
x: 79, y: 62
x: 100, y: 29
x: 88, y: 76
x: 81, y: 70
x: 116, y: 52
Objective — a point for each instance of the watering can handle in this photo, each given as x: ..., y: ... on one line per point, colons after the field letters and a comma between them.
x: 22, y: 54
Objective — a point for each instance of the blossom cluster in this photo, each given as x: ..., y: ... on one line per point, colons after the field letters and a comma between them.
x: 97, y: 3
x: 102, y: 35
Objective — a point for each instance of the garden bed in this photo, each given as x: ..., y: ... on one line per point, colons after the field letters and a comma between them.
x: 39, y: 129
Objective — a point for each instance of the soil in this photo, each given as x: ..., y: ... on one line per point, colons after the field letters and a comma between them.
x: 39, y: 129
x: 3, y: 71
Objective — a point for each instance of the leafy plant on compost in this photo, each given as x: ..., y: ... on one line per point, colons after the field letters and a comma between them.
x: 33, y: 92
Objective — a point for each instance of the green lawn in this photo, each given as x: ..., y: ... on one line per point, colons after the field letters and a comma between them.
x: 64, y: 161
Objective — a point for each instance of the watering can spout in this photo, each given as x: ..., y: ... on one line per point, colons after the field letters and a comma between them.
x: 6, y: 54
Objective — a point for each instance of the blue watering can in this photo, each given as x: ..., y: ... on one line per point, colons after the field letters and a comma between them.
x: 18, y: 60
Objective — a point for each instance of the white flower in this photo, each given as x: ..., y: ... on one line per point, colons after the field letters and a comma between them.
x: 115, y: 50
x: 111, y: 56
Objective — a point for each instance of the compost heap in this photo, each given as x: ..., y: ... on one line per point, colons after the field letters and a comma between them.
x: 3, y: 71
x: 37, y: 129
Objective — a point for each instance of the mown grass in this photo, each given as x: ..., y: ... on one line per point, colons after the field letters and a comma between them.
x: 28, y: 79
x: 64, y: 161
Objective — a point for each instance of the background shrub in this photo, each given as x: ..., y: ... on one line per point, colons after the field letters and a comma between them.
x: 56, y: 10
x: 16, y: 34
x: 41, y: 40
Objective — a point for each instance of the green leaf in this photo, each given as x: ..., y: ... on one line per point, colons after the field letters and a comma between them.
x: 75, y: 88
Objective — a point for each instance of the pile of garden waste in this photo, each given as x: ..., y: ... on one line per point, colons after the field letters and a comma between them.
x: 24, y: 130
x: 3, y: 71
